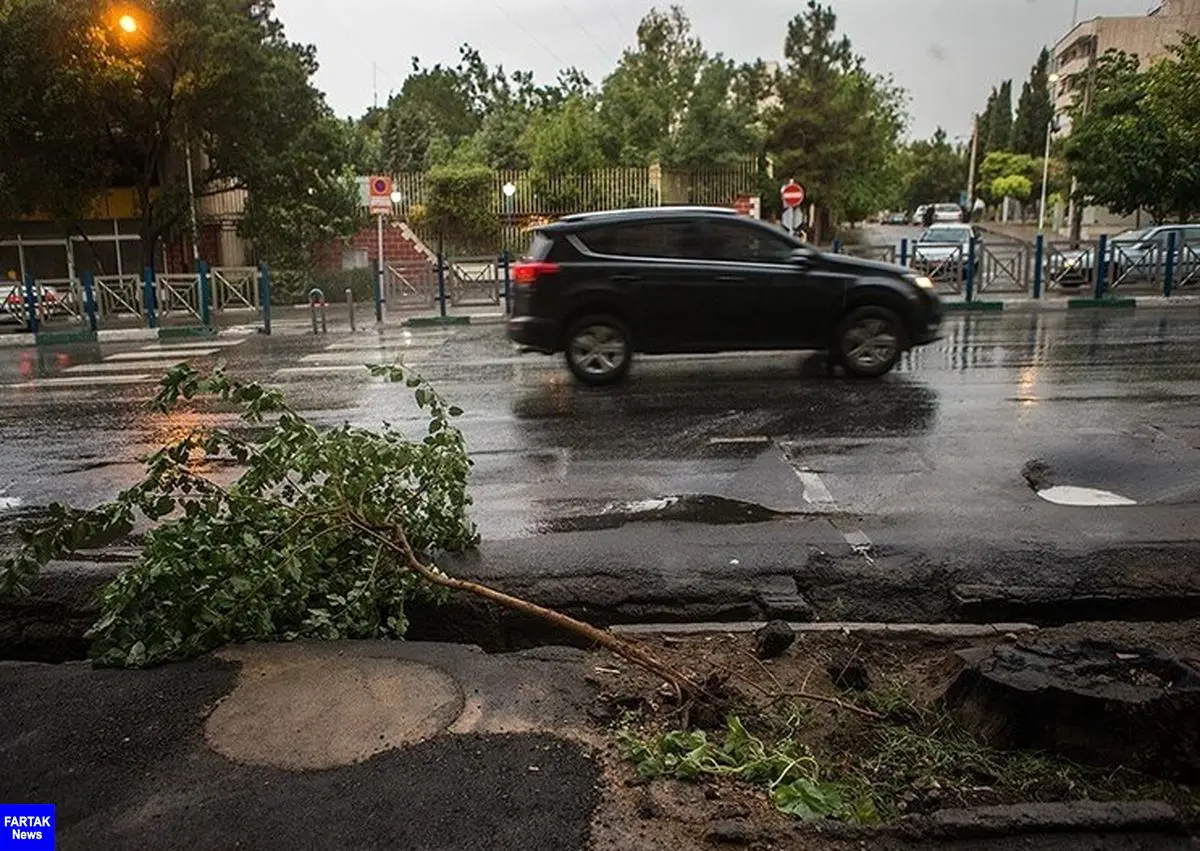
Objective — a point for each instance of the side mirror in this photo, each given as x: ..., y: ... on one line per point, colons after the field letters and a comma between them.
x: 802, y: 256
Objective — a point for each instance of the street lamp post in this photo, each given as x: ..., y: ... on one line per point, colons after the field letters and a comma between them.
x: 1046, y: 162
x: 510, y: 192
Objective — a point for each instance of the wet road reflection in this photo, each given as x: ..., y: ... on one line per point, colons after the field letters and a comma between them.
x: 935, y: 447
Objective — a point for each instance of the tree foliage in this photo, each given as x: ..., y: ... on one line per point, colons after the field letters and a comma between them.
x: 932, y: 171
x: 1035, y: 110
x: 458, y: 204
x: 1138, y: 144
x: 1015, y: 186
x: 219, y: 75
x: 278, y: 554
x: 834, y: 126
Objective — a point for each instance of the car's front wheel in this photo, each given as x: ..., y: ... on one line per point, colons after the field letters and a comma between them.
x: 869, y: 342
x: 598, y: 350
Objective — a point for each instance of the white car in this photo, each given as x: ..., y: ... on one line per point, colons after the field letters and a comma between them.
x: 947, y: 213
x: 941, y: 251
x: 918, y: 216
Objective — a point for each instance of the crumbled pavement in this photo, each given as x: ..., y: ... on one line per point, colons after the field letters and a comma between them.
x: 394, y: 745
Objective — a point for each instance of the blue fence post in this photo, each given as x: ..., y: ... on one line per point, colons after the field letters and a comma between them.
x: 1039, y: 254
x: 377, y: 278
x: 1100, y: 267
x: 31, y: 304
x: 970, y: 272
x: 89, y: 300
x: 264, y: 296
x: 1169, y: 266
x: 837, y: 246
x: 148, y: 297
x: 205, y: 294
x: 507, y: 282
x: 904, y: 252
x: 441, y: 272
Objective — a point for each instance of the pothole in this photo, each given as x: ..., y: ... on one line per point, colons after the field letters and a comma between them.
x: 694, y: 508
x: 302, y: 708
x: 1043, y: 479
x: 1073, y: 495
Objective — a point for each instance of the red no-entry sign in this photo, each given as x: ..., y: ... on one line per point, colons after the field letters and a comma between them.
x: 792, y: 194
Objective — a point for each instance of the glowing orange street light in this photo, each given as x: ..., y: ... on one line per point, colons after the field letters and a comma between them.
x: 128, y: 23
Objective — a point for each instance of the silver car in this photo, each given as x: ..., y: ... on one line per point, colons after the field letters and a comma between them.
x: 1136, y: 255
x: 941, y: 251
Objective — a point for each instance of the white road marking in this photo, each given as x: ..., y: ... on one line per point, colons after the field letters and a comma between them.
x: 90, y: 380
x: 187, y: 347
x: 723, y: 441
x: 123, y: 366
x: 817, y: 494
x: 163, y: 355
x: 815, y: 491
x: 317, y: 369
x: 9, y: 502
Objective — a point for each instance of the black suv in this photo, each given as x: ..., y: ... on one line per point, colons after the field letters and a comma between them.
x: 671, y: 280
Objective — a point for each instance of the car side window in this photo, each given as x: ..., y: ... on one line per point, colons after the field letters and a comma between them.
x: 670, y: 240
x: 732, y: 241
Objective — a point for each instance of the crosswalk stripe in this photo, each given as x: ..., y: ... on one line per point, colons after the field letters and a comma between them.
x: 123, y: 366
x: 163, y: 355
x: 90, y: 380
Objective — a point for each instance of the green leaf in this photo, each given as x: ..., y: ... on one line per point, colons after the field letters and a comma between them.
x: 808, y: 800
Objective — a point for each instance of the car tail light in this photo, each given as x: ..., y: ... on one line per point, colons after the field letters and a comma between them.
x: 527, y: 274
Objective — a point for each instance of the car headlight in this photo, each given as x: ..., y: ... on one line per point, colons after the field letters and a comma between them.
x: 922, y: 282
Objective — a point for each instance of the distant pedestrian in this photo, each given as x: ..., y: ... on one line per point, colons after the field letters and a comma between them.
x: 928, y: 216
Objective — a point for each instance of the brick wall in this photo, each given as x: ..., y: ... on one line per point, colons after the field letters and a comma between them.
x: 396, y: 247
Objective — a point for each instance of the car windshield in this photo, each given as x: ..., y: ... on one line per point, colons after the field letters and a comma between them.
x: 947, y: 208
x: 954, y: 235
x: 1134, y: 235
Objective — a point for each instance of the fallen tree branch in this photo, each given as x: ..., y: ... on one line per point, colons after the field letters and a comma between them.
x: 397, y: 541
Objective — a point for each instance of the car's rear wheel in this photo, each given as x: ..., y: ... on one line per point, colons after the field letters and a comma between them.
x: 869, y: 342
x: 598, y: 350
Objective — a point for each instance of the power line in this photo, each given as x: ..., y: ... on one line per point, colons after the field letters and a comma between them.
x: 566, y: 7
x: 612, y: 13
x: 537, y: 41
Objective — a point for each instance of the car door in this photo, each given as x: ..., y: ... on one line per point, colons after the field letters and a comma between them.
x: 654, y: 263
x: 767, y: 296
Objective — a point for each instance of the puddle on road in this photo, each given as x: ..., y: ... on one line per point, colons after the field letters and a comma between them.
x: 1083, y: 497
x: 703, y: 508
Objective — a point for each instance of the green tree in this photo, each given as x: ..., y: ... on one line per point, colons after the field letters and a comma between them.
x: 1000, y: 126
x: 933, y: 172
x: 311, y: 201
x: 1002, y: 165
x: 1035, y: 109
x: 564, y: 148
x: 458, y: 206
x: 834, y: 126
x: 1014, y: 186
x: 1138, y: 145
x: 645, y: 100
x: 218, y: 75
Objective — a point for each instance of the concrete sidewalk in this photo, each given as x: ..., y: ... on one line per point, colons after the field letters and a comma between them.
x: 393, y: 745
x: 319, y: 746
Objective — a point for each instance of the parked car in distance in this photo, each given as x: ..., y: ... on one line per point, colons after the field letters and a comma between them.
x: 941, y: 251
x: 1137, y: 254
x: 602, y: 287
x: 947, y: 213
x: 897, y: 219
x: 918, y: 216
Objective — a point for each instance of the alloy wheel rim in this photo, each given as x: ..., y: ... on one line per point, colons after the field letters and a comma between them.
x: 599, y: 350
x: 871, y: 343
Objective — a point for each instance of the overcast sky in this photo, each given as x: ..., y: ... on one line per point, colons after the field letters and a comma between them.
x: 946, y: 53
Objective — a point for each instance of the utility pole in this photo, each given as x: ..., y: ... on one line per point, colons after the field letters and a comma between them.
x: 971, y: 170
x: 375, y: 83
x: 1076, y: 204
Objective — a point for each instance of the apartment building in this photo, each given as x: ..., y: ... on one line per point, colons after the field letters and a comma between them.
x: 1145, y: 36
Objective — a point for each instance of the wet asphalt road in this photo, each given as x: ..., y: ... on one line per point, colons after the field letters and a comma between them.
x: 734, y: 485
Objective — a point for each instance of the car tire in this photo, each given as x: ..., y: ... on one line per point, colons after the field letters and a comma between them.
x: 869, y: 342
x: 598, y: 349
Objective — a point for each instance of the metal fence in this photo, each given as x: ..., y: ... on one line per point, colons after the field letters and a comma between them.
x: 999, y: 265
